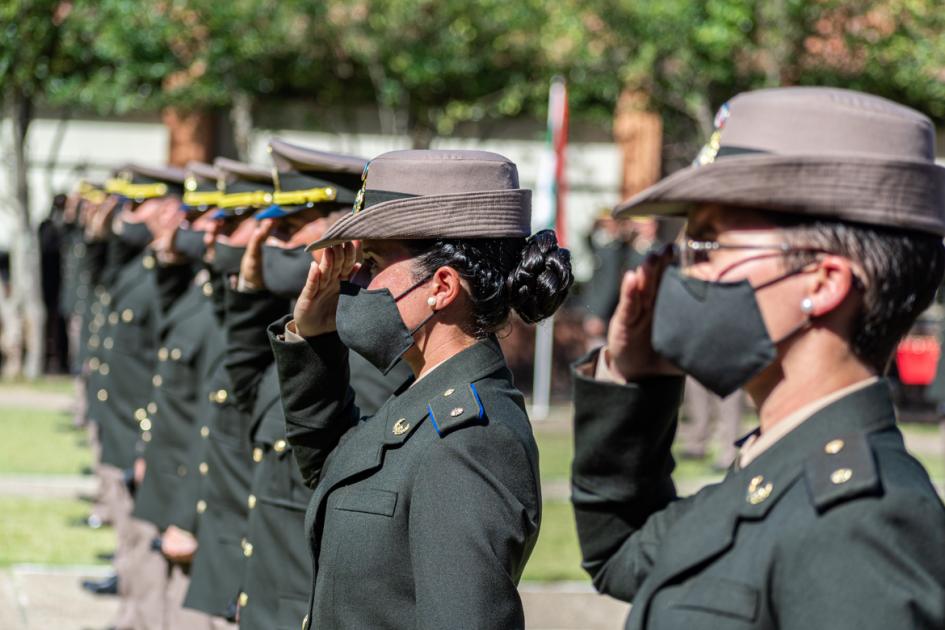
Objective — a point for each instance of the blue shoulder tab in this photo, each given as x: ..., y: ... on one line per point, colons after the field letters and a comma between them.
x: 454, y: 408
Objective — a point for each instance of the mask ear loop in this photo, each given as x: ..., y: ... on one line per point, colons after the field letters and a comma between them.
x: 432, y: 313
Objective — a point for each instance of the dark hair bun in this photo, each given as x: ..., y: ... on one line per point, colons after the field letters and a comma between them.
x: 540, y: 282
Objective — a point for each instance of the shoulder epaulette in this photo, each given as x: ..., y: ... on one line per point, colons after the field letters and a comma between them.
x: 843, y: 469
x: 454, y: 408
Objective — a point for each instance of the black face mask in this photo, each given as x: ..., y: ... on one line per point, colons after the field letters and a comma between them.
x: 189, y: 243
x: 713, y: 331
x: 369, y: 323
x: 226, y: 259
x: 284, y: 270
x: 135, y: 235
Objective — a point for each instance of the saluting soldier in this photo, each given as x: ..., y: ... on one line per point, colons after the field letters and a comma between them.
x: 185, y: 356
x: 313, y: 188
x: 223, y: 457
x: 425, y: 513
x: 814, y: 239
x: 126, y: 329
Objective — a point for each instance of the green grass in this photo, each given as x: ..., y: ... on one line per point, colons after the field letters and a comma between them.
x: 555, y: 452
x: 41, y: 442
x: 53, y: 384
x: 41, y: 531
x: 556, y: 555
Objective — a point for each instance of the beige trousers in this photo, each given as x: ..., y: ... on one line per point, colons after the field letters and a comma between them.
x: 118, y: 502
x: 180, y: 618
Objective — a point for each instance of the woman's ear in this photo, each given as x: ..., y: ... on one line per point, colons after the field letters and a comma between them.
x: 446, y: 286
x: 830, y: 285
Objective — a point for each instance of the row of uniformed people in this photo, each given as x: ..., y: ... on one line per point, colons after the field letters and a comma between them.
x: 214, y: 513
x: 811, y: 213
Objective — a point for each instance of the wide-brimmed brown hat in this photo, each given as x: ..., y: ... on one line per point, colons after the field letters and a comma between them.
x: 435, y: 194
x: 823, y: 152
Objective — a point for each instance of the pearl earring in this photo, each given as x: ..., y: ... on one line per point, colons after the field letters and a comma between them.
x: 431, y: 301
x: 807, y: 306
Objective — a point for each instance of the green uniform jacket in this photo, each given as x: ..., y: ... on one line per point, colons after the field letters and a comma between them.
x: 278, y: 572
x: 424, y: 514
x: 184, y: 359
x: 126, y: 343
x: 224, y: 500
x: 835, y: 526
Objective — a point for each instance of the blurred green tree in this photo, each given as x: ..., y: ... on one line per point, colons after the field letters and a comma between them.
x: 435, y: 63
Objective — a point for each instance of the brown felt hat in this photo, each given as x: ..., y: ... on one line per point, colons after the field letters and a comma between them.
x: 823, y: 152
x: 427, y: 194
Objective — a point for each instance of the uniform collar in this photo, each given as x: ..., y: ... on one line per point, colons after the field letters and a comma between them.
x: 756, y: 442
x: 456, y: 373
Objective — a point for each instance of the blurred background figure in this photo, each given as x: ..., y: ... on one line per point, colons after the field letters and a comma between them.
x: 51, y: 244
x: 706, y: 417
x: 618, y: 245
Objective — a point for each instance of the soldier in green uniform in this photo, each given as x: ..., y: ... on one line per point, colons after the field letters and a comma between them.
x: 814, y: 239
x: 223, y: 455
x: 313, y: 188
x: 185, y: 357
x: 424, y: 514
x: 124, y: 339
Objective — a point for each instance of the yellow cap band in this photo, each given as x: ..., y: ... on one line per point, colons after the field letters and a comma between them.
x: 205, y: 198
x: 144, y: 191
x: 301, y: 197
x: 115, y: 186
x: 254, y: 199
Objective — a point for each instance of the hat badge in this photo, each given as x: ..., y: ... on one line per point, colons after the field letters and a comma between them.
x: 359, y: 198
x: 711, y: 149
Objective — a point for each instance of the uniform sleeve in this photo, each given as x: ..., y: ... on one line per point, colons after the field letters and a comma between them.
x: 316, y: 396
x: 248, y: 352
x: 474, y: 513
x: 622, y: 489
x: 870, y: 564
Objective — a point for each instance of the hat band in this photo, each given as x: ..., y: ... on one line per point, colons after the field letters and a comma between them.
x: 375, y: 197
x: 205, y: 198
x: 256, y: 198
x: 302, y: 197
x: 144, y: 191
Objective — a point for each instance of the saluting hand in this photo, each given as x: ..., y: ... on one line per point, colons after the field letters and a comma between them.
x: 629, y: 351
x: 315, y: 309
x: 251, y: 263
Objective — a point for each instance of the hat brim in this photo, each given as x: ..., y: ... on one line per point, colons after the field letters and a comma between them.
x: 480, y: 214
x: 877, y: 191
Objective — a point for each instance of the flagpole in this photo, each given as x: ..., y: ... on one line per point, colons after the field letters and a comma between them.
x: 549, y: 213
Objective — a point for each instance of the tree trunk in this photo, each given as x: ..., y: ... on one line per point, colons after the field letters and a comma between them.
x: 639, y: 135
x: 28, y: 313
x: 191, y: 135
x: 241, y: 118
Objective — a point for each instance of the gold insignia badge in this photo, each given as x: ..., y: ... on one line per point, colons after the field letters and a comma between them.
x: 758, y: 490
x: 401, y: 426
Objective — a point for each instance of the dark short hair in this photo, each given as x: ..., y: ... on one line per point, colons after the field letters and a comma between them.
x: 530, y: 276
x: 898, y: 272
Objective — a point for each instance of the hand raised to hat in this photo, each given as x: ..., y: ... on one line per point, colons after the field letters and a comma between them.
x: 99, y: 221
x: 629, y: 352
x: 315, y: 309
x: 251, y: 265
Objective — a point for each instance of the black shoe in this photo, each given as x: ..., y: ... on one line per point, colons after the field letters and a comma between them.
x: 106, y: 586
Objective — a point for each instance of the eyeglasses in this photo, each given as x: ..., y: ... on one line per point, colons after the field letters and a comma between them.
x: 692, y: 252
